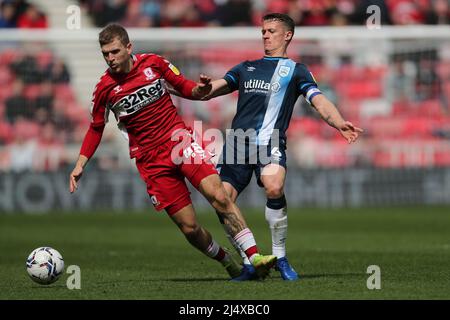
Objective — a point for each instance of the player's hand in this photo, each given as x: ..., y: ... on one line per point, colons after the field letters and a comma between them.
x: 74, y: 177
x: 349, y: 131
x: 203, y: 87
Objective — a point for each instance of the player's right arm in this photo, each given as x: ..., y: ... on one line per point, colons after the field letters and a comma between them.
x: 90, y: 143
x: 92, y: 138
x: 219, y: 88
x: 227, y: 84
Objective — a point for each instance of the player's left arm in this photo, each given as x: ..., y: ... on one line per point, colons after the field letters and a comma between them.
x: 181, y: 86
x: 200, y: 89
x: 331, y: 115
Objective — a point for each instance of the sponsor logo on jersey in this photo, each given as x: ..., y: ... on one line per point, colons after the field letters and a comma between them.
x: 261, y: 86
x: 174, y: 69
x: 139, y: 99
x: 251, y: 69
x: 149, y: 75
x: 257, y: 84
x: 284, y: 71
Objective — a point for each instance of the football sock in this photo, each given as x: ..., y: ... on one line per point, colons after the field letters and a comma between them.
x: 236, y: 246
x: 247, y: 243
x: 217, y: 253
x: 276, y: 216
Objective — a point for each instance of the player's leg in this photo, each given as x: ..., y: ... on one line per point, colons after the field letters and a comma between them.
x: 202, y: 174
x: 167, y: 190
x: 212, y: 188
x: 273, y: 177
x: 200, y: 238
x: 235, y: 178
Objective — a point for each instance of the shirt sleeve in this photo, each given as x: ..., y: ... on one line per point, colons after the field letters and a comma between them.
x: 307, y: 84
x: 172, y: 75
x: 232, y: 77
x: 99, y: 114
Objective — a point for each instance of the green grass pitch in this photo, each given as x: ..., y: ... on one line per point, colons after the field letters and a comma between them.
x: 143, y: 255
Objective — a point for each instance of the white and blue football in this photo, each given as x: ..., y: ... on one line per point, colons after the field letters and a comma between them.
x: 45, y: 265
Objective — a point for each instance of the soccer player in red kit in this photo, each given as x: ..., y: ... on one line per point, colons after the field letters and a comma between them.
x: 133, y: 88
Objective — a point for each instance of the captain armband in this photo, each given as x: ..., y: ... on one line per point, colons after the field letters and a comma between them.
x: 311, y: 93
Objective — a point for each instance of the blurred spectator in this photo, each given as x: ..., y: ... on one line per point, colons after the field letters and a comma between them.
x: 20, y: 6
x: 106, y: 11
x: 405, y: 12
x: 235, y: 13
x: 27, y: 69
x: 42, y: 105
x: 7, y: 12
x: 427, y: 80
x: 180, y: 13
x: 17, y: 106
x: 57, y: 71
x: 22, y: 151
x: 400, y: 83
x: 439, y: 13
x: 51, y: 155
x: 317, y: 13
x: 32, y: 18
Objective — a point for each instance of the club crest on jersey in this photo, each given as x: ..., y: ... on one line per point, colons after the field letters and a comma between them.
x: 275, y: 87
x: 284, y: 71
x: 149, y: 75
x: 117, y: 89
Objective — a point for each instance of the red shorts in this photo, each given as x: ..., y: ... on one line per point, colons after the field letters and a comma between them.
x: 164, y: 168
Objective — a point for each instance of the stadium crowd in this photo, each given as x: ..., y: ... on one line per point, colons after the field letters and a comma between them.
x: 403, y: 104
x: 201, y: 13
x: 39, y: 113
x: 21, y: 14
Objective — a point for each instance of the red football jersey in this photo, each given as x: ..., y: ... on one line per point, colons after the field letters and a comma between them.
x: 140, y: 102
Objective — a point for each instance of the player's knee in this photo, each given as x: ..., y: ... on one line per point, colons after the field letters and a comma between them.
x: 221, y: 200
x: 274, y: 191
x: 190, y: 230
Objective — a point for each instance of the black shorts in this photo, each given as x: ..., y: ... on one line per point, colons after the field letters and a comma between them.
x: 237, y: 169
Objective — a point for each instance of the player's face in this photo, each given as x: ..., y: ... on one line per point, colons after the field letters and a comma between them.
x: 117, y: 56
x: 275, y: 37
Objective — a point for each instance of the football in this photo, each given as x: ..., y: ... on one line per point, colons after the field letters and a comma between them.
x: 45, y: 265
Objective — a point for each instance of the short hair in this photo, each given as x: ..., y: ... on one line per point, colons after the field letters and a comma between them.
x: 284, y: 18
x: 111, y: 32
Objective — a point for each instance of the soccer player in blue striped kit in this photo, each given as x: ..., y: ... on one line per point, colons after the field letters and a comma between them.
x: 268, y: 89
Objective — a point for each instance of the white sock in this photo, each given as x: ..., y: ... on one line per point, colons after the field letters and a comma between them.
x: 216, y: 252
x: 236, y: 246
x: 247, y: 243
x: 277, y: 219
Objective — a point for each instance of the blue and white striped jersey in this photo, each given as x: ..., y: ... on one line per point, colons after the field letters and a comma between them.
x: 268, y: 89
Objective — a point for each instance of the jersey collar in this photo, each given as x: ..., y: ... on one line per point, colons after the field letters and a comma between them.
x: 274, y: 58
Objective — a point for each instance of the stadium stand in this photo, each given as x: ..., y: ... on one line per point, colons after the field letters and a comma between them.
x: 200, y: 13
x: 402, y: 101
